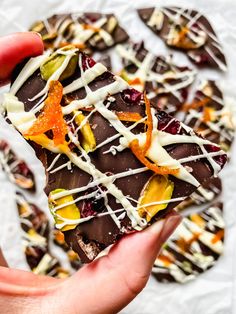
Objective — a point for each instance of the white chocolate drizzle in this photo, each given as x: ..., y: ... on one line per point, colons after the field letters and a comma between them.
x: 95, y: 99
x: 193, y: 258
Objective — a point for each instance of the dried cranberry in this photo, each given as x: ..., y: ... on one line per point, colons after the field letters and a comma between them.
x: 203, y: 58
x: 87, y: 62
x: 91, y: 17
x: 23, y: 169
x: 221, y: 159
x: 184, y: 93
x: 165, y: 124
x: 131, y: 96
x: 87, y: 209
x: 3, y: 145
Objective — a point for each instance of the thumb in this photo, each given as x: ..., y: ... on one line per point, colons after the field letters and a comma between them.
x: 16, y: 47
x: 112, y: 281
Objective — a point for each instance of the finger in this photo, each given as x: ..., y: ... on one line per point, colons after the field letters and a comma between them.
x: 15, y: 48
x: 24, y: 278
x: 3, y: 262
x: 117, y: 278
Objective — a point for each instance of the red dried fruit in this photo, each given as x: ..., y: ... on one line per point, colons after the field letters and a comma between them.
x: 221, y: 159
x: 87, y: 209
x: 87, y: 63
x: 131, y: 96
x: 165, y: 124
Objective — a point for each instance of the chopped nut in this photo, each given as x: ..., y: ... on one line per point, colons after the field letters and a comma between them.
x: 182, y: 39
x: 55, y: 61
x: 73, y: 256
x: 88, y: 140
x: 111, y: 24
x: 158, y: 188
x: 37, y: 27
x: 23, y: 182
x: 68, y: 211
x: 49, y: 36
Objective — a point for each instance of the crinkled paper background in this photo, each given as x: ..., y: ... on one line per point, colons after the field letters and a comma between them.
x: 211, y: 293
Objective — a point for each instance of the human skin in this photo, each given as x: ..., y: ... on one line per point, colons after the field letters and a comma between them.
x: 106, y: 285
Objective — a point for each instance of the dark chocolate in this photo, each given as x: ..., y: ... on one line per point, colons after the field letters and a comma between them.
x: 89, y: 238
x: 194, y: 247
x: 187, y: 30
x: 208, y: 192
x: 61, y: 29
x: 35, y: 240
x: 210, y: 115
x: 167, y: 84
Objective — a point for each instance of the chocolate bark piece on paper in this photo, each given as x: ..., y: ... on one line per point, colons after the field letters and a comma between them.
x: 166, y: 83
x: 194, y: 247
x: 35, y: 240
x: 210, y: 115
x: 114, y: 163
x: 187, y: 30
x: 16, y: 169
x: 89, y: 31
x: 206, y: 193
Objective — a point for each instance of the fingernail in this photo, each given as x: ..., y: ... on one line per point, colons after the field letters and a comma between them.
x: 36, y: 33
x: 166, y: 227
x: 171, y: 223
x: 157, y: 227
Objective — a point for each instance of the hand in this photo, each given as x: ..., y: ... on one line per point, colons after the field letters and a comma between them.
x: 106, y: 285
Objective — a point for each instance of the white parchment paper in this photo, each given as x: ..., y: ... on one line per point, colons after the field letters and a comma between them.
x: 211, y: 293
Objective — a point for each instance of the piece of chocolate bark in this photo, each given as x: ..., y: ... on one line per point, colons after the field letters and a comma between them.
x: 88, y: 31
x: 210, y: 115
x: 17, y: 171
x: 35, y: 232
x: 194, y: 247
x: 114, y: 163
x: 166, y: 83
x: 187, y: 30
x: 206, y: 193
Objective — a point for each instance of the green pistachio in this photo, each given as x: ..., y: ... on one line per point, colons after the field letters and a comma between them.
x: 53, y: 63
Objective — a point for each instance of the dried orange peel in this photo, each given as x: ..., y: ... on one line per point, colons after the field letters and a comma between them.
x: 129, y: 116
x: 138, y: 152
x: 218, y: 236
x: 184, y: 31
x: 76, y: 45
x: 135, y: 81
x: 196, y: 104
x: 91, y: 27
x: 122, y: 115
x: 51, y: 118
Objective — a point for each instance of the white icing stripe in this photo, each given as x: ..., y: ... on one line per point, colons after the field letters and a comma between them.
x: 53, y: 162
x: 21, y: 119
x: 82, y: 35
x: 146, y: 74
x: 95, y: 99
x: 89, y: 75
x: 56, y: 75
x: 96, y: 96
x: 67, y: 221
x: 100, y: 181
x: 29, y: 69
x: 182, y: 269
